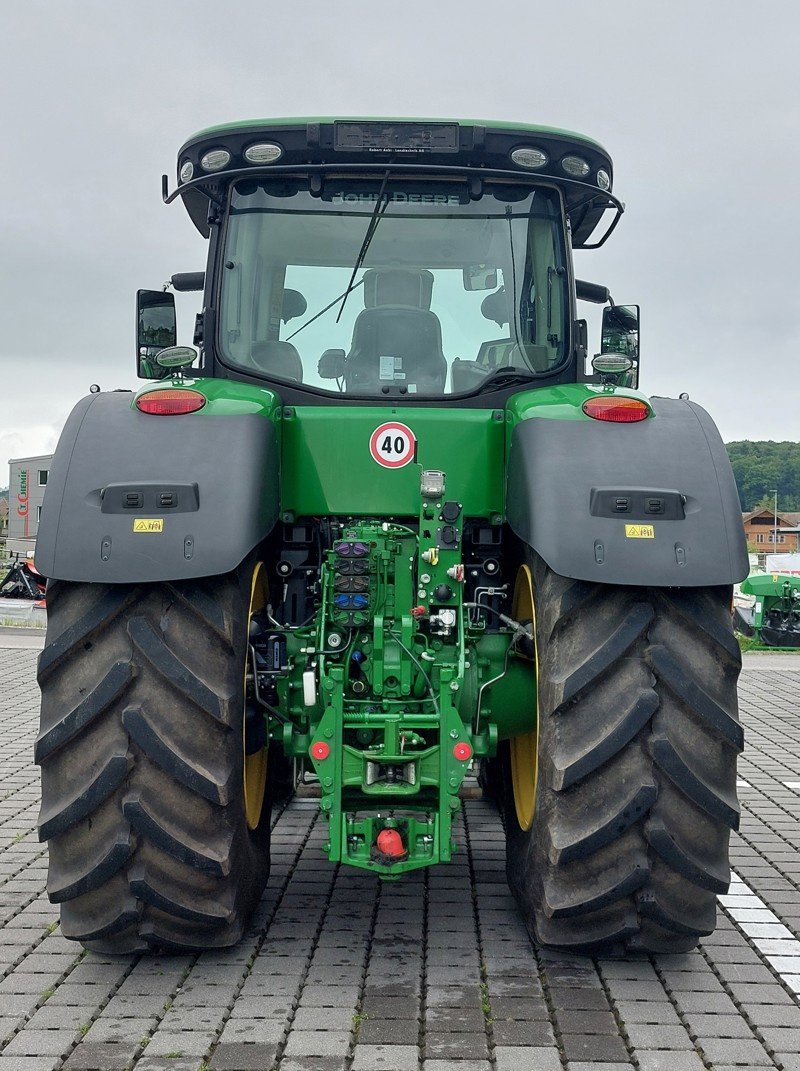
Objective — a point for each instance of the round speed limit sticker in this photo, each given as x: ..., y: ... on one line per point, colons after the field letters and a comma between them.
x: 392, y: 445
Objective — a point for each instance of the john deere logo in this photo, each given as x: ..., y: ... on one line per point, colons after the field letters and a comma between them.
x: 148, y: 524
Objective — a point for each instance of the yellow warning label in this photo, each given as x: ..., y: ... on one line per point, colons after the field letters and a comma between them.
x: 148, y: 524
x: 640, y: 531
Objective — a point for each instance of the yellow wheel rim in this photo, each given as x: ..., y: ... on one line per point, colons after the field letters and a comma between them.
x: 255, y: 766
x: 525, y: 748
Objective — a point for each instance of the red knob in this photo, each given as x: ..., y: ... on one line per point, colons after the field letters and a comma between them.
x: 390, y: 843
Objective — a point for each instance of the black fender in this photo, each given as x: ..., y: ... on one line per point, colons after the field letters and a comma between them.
x: 133, y: 497
x: 651, y: 503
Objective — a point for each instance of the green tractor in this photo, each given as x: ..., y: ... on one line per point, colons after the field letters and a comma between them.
x: 381, y: 530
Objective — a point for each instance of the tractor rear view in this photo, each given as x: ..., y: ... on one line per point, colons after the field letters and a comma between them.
x: 380, y: 529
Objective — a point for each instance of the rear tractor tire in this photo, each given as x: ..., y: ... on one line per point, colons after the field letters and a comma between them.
x: 618, y: 816
x: 157, y: 822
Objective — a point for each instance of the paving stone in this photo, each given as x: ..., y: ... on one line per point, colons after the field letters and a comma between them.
x: 714, y: 1003
x: 455, y: 1046
x: 746, y: 992
x: 166, y: 1063
x: 578, y: 998
x: 29, y: 1063
x: 586, y: 1021
x: 252, y: 1031
x: 388, y: 1031
x: 99, y: 1057
x: 528, y: 1034
x: 520, y: 1008
x: 54, y: 1017
x: 594, y: 1047
x: 385, y: 1058
x: 312, y: 1063
x: 393, y: 1008
x: 669, y: 1061
x: 237, y: 1056
x: 783, y: 1039
x: 39, y: 1043
x: 526, y: 1059
x: 646, y: 1012
x: 454, y: 1020
x: 734, y: 1051
x: 648, y: 1036
x: 721, y: 1026
x: 602, y: 1066
x: 773, y: 1014
x: 317, y: 1043
x: 323, y: 1019
x: 456, y: 1065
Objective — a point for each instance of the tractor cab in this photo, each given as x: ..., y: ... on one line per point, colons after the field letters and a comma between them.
x: 394, y: 261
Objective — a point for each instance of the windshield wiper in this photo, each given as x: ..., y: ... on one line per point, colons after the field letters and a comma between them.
x: 380, y: 207
x: 330, y: 305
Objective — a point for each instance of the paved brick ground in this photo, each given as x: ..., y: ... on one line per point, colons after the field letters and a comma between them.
x: 435, y: 973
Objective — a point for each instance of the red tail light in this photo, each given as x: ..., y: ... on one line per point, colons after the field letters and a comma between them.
x: 617, y: 410
x: 171, y: 401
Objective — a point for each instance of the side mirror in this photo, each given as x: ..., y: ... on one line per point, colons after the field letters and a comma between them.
x: 331, y: 364
x: 620, y: 336
x: 621, y: 331
x: 156, y: 330
x: 479, y: 277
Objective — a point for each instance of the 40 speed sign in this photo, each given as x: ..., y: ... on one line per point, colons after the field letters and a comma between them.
x: 392, y: 445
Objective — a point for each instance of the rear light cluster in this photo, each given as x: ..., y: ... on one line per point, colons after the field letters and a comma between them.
x: 617, y: 410
x: 170, y: 401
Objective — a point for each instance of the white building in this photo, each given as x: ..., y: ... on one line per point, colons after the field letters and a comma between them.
x: 26, y: 487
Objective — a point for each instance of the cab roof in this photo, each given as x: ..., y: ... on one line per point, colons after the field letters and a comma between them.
x: 358, y: 144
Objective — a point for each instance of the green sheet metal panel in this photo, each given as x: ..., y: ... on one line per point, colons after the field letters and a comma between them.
x: 328, y: 468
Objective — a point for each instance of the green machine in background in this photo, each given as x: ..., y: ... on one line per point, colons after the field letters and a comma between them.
x: 384, y: 527
x: 775, y: 615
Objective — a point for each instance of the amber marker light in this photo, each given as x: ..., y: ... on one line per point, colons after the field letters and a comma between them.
x: 171, y: 401
x: 617, y: 410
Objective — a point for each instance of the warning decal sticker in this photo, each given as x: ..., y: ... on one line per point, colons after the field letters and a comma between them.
x: 148, y: 524
x: 640, y: 531
x: 392, y: 445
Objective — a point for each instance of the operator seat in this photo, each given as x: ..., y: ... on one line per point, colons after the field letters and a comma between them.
x: 397, y: 340
x: 281, y: 358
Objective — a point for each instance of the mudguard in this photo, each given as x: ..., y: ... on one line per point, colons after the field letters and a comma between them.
x: 134, y: 498
x: 651, y: 504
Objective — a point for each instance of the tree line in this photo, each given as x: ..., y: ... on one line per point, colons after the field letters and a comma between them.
x: 760, y: 467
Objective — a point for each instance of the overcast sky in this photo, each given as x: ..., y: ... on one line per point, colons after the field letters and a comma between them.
x: 698, y: 103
